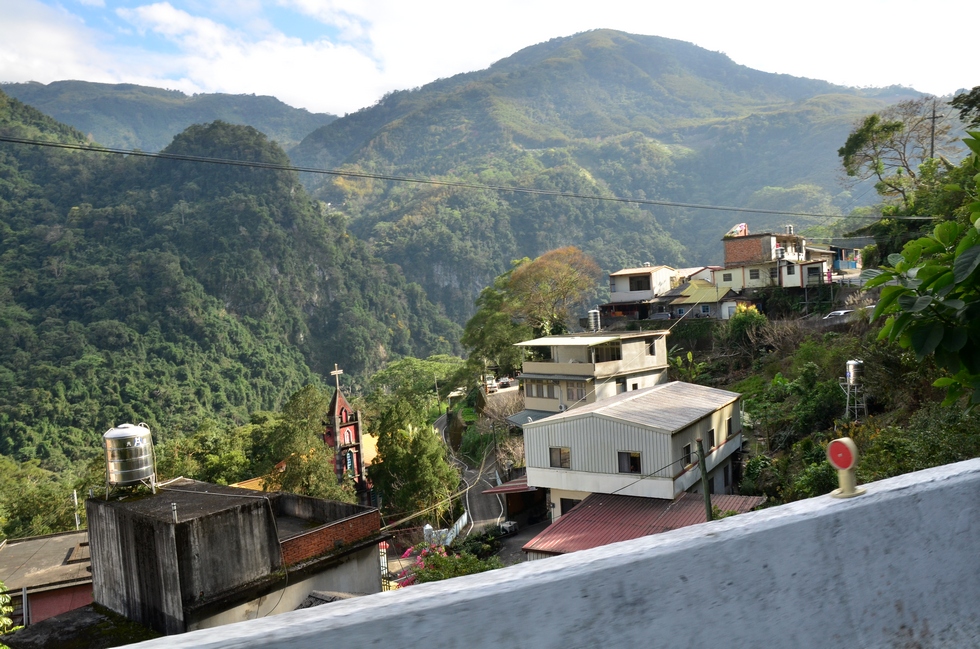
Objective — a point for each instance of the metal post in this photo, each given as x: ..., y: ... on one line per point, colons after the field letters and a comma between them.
x: 703, y: 466
x: 74, y: 496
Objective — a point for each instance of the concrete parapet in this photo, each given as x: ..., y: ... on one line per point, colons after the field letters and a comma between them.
x: 896, y: 567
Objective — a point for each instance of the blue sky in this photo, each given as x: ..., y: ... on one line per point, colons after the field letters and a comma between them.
x: 341, y: 55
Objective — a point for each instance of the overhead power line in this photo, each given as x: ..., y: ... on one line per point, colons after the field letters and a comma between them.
x: 431, y: 181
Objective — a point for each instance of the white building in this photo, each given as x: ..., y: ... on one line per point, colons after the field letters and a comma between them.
x: 575, y: 370
x: 641, y: 443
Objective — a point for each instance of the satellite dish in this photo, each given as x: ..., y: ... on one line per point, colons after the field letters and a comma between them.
x: 529, y: 420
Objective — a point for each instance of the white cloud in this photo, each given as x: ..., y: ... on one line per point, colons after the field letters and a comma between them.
x: 38, y: 43
x: 382, y: 45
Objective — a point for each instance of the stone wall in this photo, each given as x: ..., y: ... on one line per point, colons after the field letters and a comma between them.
x: 896, y: 567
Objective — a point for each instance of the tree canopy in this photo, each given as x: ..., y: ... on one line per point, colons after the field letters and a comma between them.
x: 891, y: 144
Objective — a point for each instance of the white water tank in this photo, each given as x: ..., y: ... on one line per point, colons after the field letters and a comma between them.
x: 593, y: 320
x: 128, y: 454
x: 854, y: 371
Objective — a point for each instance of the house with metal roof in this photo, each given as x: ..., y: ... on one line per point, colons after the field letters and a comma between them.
x: 638, y: 443
x: 602, y: 519
x: 566, y: 372
x: 46, y: 575
x: 699, y: 298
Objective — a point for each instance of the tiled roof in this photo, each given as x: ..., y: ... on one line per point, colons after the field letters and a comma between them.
x: 667, y: 407
x: 602, y: 519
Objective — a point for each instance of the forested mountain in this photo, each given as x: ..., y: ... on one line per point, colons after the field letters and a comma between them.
x: 139, y: 117
x: 601, y: 112
x: 169, y: 292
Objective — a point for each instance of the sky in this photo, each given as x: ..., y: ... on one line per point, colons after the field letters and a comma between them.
x: 339, y: 56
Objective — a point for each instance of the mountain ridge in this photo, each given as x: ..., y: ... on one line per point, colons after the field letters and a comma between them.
x: 132, y: 116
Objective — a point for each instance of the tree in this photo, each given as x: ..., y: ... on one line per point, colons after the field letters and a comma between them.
x: 890, y: 145
x: 931, y: 291
x: 308, y: 467
x: 968, y: 104
x: 543, y: 292
x: 412, y: 472
x: 6, y: 624
x: 412, y: 382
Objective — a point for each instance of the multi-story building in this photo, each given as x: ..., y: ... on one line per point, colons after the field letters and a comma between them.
x: 565, y: 372
x: 641, y: 443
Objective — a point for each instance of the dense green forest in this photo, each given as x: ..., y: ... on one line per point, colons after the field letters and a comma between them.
x: 138, y: 117
x: 600, y: 113
x: 165, y: 292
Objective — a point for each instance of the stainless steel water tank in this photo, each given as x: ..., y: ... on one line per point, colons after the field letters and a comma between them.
x: 854, y: 370
x: 594, y: 320
x: 128, y: 454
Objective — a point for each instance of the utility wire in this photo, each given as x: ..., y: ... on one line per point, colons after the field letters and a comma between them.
x: 430, y: 181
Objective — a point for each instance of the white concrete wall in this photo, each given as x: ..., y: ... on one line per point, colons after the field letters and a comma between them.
x: 896, y: 567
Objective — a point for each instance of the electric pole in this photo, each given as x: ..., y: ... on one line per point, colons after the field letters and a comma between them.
x: 702, y: 465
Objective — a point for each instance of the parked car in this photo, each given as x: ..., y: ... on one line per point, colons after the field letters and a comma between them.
x: 503, y: 382
x: 843, y: 313
x: 491, y: 385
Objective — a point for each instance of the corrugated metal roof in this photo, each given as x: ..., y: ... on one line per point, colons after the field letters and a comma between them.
x: 667, y: 407
x: 517, y: 485
x: 637, y: 271
x: 602, y: 519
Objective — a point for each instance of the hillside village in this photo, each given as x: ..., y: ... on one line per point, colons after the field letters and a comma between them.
x: 319, y: 396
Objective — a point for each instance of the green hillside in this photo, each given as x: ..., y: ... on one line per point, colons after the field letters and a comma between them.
x: 138, y: 117
x: 151, y: 290
x: 601, y: 112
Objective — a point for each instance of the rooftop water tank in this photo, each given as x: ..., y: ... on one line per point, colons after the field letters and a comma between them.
x: 128, y: 454
x: 594, y: 320
x: 854, y: 370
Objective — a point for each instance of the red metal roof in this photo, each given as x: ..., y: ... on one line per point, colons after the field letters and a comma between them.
x: 517, y: 485
x: 602, y: 519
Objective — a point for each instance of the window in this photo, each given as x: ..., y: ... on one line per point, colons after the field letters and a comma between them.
x: 575, y: 391
x: 726, y: 277
x: 813, y: 271
x: 608, y: 352
x: 686, y: 454
x: 705, y: 309
x: 636, y: 386
x: 629, y: 462
x: 620, y: 385
x: 711, y: 438
x: 791, y: 269
x: 652, y: 348
x: 773, y: 273
x: 560, y: 457
x: 728, y: 475
x: 728, y: 428
x: 754, y: 273
x: 640, y: 283
x: 567, y: 504
x: 541, y: 389
x: 612, y: 284
x: 681, y: 310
